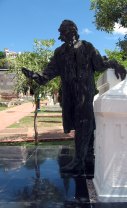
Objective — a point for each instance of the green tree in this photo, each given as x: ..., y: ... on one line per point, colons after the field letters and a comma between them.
x: 35, y: 61
x: 109, y: 12
x: 3, y: 62
x: 118, y: 55
x: 122, y: 44
x: 2, y: 54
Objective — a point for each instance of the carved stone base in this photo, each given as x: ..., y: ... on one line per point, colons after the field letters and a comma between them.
x: 110, y: 177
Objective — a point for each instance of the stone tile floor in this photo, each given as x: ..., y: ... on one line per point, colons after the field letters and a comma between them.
x: 30, y: 177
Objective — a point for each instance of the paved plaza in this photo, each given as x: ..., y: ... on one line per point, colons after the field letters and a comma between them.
x: 14, y: 114
x: 31, y: 177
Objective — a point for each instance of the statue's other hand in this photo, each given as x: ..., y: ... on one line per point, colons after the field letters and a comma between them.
x: 27, y: 73
x: 121, y: 72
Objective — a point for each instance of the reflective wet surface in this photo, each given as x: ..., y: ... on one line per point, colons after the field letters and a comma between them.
x: 30, y: 177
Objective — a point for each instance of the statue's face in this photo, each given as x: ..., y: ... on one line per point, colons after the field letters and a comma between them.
x: 66, y: 35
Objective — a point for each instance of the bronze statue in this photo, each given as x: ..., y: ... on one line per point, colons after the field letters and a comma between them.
x: 75, y: 61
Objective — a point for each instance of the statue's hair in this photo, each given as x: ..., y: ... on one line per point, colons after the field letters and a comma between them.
x: 68, y: 23
x: 71, y: 25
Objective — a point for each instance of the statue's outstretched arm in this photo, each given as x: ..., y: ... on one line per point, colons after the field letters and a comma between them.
x: 103, y: 63
x: 48, y: 73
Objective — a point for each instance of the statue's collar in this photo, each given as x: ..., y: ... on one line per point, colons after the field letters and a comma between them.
x: 75, y: 44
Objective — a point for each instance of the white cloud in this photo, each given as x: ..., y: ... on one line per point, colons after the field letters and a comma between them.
x: 118, y: 29
x: 86, y: 31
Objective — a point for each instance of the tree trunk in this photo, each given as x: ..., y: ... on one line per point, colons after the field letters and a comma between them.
x: 35, y: 123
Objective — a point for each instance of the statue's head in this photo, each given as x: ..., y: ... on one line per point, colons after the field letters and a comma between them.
x: 68, y: 32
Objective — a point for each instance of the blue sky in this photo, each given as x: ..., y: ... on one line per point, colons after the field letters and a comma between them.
x: 24, y: 20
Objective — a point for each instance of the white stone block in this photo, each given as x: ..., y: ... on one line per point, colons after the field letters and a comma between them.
x: 106, y: 81
x: 110, y: 178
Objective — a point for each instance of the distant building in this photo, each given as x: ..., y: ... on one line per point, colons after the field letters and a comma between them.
x: 10, y: 53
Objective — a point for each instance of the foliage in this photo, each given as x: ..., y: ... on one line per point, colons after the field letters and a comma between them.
x: 3, y: 63
x: 35, y: 61
x: 109, y: 12
x: 118, y: 55
x: 122, y: 44
x: 53, y: 85
x: 2, y: 54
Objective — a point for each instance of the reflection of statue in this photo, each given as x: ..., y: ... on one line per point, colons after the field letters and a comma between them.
x: 75, y: 62
x: 81, y: 191
x: 81, y: 197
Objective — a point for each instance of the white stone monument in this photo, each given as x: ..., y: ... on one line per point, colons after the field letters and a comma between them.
x: 110, y: 178
x: 106, y: 81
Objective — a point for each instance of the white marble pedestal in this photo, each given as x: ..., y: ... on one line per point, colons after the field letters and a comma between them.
x: 106, y: 81
x: 110, y: 178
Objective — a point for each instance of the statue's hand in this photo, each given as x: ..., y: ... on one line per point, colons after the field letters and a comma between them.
x: 33, y: 76
x: 120, y: 72
x: 27, y: 73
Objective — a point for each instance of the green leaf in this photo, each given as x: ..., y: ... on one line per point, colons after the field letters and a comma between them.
x: 36, y: 61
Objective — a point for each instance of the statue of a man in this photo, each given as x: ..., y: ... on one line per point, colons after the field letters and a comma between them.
x: 75, y: 61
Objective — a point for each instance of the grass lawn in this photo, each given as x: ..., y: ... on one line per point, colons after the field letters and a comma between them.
x: 3, y: 108
x: 49, y: 119
x: 48, y: 109
x: 54, y: 143
x: 42, y: 121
